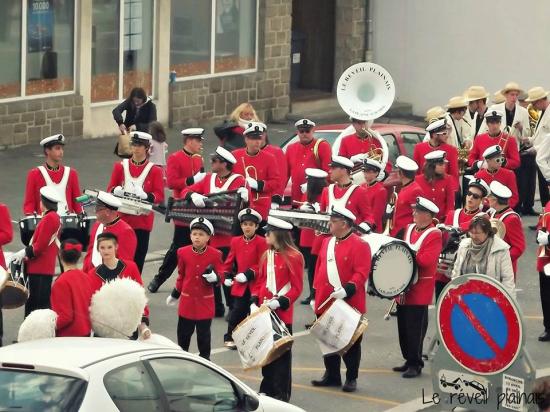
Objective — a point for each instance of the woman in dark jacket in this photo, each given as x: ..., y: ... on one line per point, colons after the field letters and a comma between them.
x: 140, y: 111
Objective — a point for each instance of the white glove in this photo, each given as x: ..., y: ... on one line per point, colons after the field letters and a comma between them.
x: 358, y: 158
x: 303, y: 187
x: 118, y: 191
x: 273, y: 304
x: 253, y: 183
x: 210, y: 277
x: 365, y: 226
x: 317, y: 207
x: 481, y: 164
x: 306, y: 207
x: 542, y: 238
x: 18, y: 257
x: 274, y: 206
x: 241, y: 278
x: 139, y: 192
x: 243, y: 191
x: 389, y: 209
x: 339, y: 293
x: 312, y: 305
x: 198, y: 200
x: 199, y: 177
x: 228, y: 282
x: 171, y: 301
x: 253, y: 308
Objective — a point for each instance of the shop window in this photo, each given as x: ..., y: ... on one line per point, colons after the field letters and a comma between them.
x: 10, y: 49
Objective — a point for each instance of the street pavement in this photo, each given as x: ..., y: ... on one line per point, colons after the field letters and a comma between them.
x: 379, y: 388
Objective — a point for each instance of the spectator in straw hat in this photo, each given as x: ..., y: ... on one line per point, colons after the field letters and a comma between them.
x: 460, y: 128
x: 477, y: 98
x: 538, y: 97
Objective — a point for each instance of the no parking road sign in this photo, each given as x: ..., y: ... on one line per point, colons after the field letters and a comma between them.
x: 480, y: 325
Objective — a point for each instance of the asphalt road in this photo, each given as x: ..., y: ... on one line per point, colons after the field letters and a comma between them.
x: 379, y: 388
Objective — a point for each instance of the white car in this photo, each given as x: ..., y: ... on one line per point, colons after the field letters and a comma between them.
x: 103, y: 375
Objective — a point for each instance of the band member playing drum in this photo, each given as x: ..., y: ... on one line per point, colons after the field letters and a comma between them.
x: 259, y: 168
x: 198, y: 268
x: 543, y: 267
x: 221, y: 179
x: 499, y: 199
x: 307, y: 152
x: 494, y: 171
x: 410, y: 190
x: 412, y: 310
x: 71, y: 294
x: 141, y: 179
x: 279, y: 155
x: 342, y: 270
x: 108, y: 220
x: 279, y: 284
x: 6, y: 236
x: 184, y: 168
x: 436, y: 185
x: 243, y: 259
x: 494, y: 136
x: 377, y: 195
x: 113, y: 268
x: 63, y: 179
x: 41, y: 254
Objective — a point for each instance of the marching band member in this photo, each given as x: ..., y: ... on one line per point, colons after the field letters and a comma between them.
x: 436, y: 185
x: 221, y: 179
x: 539, y: 100
x: 279, y: 155
x: 460, y: 135
x: 410, y: 190
x: 494, y: 171
x: 499, y: 201
x: 139, y: 177
x: 543, y: 261
x: 243, y: 259
x: 112, y: 268
x: 477, y: 100
x: 439, y: 134
x: 412, y: 310
x: 260, y: 170
x: 460, y: 219
x: 342, y: 270
x: 108, y: 220
x: 307, y: 152
x: 376, y: 193
x: 316, y: 182
x: 184, y: 168
x: 71, y: 294
x: 41, y: 254
x: 494, y: 136
x: 198, y: 268
x: 279, y: 284
x: 6, y: 236
x: 470, y: 115
x: 63, y: 179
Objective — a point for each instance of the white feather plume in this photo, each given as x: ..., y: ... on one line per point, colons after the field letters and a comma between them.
x: 40, y: 324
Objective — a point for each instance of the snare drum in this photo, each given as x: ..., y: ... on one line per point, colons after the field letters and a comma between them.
x: 27, y: 226
x: 15, y: 291
x: 87, y: 224
x: 71, y: 227
x: 393, y: 266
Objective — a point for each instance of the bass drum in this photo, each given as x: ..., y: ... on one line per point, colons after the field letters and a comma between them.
x: 393, y: 266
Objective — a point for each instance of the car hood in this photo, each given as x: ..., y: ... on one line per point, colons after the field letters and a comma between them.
x: 268, y: 404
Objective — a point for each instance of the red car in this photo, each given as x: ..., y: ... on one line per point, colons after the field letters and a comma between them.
x: 400, y: 138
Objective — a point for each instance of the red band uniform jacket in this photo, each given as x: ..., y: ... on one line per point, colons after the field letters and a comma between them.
x: 6, y: 231
x: 504, y: 176
x: 402, y: 214
x: 514, y: 234
x: 42, y: 252
x: 422, y: 149
x: 483, y: 141
x: 245, y: 254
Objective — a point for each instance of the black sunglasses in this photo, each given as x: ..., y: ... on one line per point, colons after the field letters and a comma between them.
x: 474, y: 195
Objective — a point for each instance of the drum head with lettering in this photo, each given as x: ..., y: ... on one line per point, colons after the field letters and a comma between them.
x: 392, y: 269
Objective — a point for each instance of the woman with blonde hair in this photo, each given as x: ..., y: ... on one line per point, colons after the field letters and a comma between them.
x: 231, y: 132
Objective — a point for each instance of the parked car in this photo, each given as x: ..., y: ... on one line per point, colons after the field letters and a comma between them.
x: 98, y: 374
x: 400, y: 138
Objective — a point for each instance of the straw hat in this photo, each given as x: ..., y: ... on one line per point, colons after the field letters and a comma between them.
x: 457, y: 102
x: 498, y: 97
x: 475, y: 93
x: 511, y: 86
x: 435, y: 113
x: 536, y: 93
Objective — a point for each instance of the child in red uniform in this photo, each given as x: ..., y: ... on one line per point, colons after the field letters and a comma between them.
x: 198, y: 268
x: 377, y: 195
x: 244, y: 255
x: 71, y: 294
x: 112, y: 268
x: 436, y: 184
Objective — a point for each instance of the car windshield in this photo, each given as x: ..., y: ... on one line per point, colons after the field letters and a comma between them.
x: 34, y: 391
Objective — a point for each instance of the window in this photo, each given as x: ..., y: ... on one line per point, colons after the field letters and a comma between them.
x: 212, y: 37
x: 410, y: 140
x: 190, y: 386
x: 125, y: 53
x: 132, y: 389
x: 393, y: 148
x: 10, y: 49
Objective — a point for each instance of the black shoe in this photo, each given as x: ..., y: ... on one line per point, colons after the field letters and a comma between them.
x: 533, y: 227
x: 327, y: 381
x: 412, y: 372
x: 545, y: 337
x: 350, y: 385
x: 529, y: 212
x: 154, y: 285
x: 305, y: 301
x: 401, y: 368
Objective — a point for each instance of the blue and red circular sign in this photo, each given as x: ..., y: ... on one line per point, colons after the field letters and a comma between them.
x: 479, y: 324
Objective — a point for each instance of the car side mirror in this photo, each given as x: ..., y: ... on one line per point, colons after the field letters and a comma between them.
x: 251, y: 403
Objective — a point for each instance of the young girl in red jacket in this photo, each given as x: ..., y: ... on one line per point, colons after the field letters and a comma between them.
x: 198, y: 268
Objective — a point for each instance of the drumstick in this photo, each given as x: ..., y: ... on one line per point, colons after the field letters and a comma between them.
x: 324, y: 303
